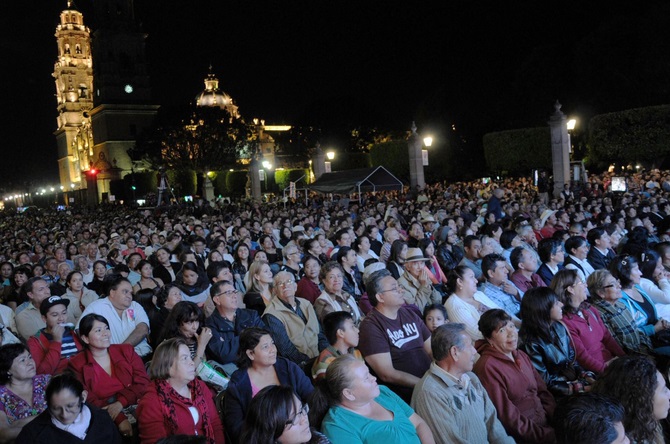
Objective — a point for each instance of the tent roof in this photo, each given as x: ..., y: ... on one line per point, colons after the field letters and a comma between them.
x: 349, y: 181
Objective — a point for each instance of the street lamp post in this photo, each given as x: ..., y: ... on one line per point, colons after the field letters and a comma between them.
x: 328, y: 165
x: 417, y: 159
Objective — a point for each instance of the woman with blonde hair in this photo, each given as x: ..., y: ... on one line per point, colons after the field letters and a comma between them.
x: 258, y: 294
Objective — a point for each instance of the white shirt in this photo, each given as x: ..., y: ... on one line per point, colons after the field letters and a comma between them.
x: 121, y: 327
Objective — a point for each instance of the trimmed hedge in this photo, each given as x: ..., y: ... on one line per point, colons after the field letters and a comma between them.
x: 518, y: 151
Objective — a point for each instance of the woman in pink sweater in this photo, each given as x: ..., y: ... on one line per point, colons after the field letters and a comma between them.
x: 594, y: 345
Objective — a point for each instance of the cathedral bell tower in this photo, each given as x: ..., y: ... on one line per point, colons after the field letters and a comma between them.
x: 73, y: 72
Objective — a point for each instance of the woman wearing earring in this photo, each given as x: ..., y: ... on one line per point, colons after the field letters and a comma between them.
x: 258, y: 294
x: 259, y: 367
x: 21, y: 390
x: 594, y: 345
x: 465, y: 304
x: 518, y: 392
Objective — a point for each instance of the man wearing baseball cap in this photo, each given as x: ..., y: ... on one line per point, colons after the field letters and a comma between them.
x: 55, y: 344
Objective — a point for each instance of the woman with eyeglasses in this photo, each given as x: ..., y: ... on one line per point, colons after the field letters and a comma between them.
x: 176, y: 401
x: 333, y: 297
x: 594, y: 344
x: 605, y: 292
x: 227, y: 323
x: 626, y: 269
x: 259, y: 367
x: 349, y: 406
x: 68, y: 419
x: 276, y: 415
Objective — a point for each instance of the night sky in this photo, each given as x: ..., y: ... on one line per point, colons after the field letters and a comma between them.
x: 482, y: 66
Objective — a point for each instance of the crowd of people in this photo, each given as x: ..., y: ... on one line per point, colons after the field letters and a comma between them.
x: 465, y: 312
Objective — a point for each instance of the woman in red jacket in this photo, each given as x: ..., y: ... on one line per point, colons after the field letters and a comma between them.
x: 176, y: 402
x: 113, y: 375
x: 516, y: 389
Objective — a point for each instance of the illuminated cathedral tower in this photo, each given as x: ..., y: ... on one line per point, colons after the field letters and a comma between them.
x: 73, y: 72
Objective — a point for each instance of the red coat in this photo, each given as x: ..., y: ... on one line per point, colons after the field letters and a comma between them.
x: 127, y: 383
x: 520, y: 396
x: 151, y: 419
x: 46, y: 353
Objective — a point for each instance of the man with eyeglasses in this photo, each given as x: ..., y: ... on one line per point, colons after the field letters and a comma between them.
x: 226, y: 323
x: 394, y: 341
x: 293, y: 322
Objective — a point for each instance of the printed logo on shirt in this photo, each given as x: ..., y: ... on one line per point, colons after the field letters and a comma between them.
x: 402, y: 336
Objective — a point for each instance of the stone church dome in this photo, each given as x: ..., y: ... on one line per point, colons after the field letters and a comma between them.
x: 212, y: 95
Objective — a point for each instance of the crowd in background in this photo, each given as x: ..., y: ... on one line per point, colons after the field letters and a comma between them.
x: 487, y: 311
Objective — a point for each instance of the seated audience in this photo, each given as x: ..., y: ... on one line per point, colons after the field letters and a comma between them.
x: 450, y: 397
x: 342, y: 335
x: 627, y: 271
x: 186, y: 321
x: 589, y: 418
x: 28, y: 318
x: 552, y: 256
x: 227, y: 323
x: 334, y: 297
x: 113, y: 374
x: 521, y: 398
x: 167, y: 297
x: 129, y: 323
x: 434, y: 315
x: 21, y: 390
x: 594, y: 345
x: 53, y: 346
x: 525, y: 264
x: 465, y: 304
x: 351, y: 407
x: 499, y: 288
x: 310, y: 286
x: 176, y: 401
x: 259, y: 294
x: 277, y: 415
x: 79, y: 296
x: 606, y: 295
x: 600, y: 254
x: 641, y: 389
x: 293, y: 323
x: 546, y: 340
x: 415, y: 283
x: 259, y: 367
x: 68, y: 419
x: 393, y: 339
x: 576, y: 249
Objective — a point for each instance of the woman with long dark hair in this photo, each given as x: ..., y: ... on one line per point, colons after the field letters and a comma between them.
x: 625, y: 268
x: 397, y: 258
x: 594, y: 344
x: 259, y: 367
x: 546, y: 340
x: 635, y: 382
x: 276, y: 415
x: 187, y: 321
x: 113, y: 374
